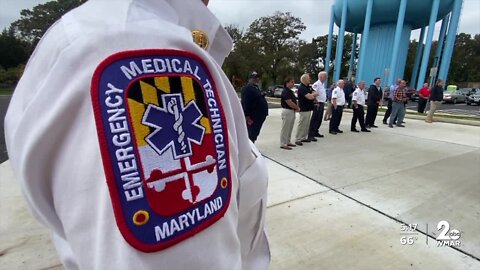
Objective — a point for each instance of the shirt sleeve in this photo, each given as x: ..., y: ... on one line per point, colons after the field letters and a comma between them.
x: 355, y: 95
x: 54, y: 150
x: 335, y: 93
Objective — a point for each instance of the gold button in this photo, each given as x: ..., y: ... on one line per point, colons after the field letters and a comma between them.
x: 200, y: 38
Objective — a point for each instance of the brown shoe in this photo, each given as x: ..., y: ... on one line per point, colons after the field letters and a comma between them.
x: 291, y: 145
x: 286, y: 147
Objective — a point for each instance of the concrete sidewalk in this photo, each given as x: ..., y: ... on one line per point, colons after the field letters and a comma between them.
x: 338, y: 203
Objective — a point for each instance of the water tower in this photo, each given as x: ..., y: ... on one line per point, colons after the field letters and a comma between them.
x: 385, y: 27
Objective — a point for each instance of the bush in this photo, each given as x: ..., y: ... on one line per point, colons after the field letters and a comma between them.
x: 10, y: 77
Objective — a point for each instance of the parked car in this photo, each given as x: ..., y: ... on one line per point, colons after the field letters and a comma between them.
x: 270, y: 91
x: 474, y: 98
x: 451, y: 87
x: 277, y: 92
x: 454, y: 97
x: 467, y: 91
x: 415, y: 96
x: 295, y: 89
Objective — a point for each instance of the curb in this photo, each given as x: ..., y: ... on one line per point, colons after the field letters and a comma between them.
x: 437, y: 117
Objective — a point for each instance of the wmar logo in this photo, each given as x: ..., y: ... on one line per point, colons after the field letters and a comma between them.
x: 164, y: 144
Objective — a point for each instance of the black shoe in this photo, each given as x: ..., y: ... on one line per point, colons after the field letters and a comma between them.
x: 333, y: 132
x: 298, y: 143
x: 312, y: 139
x: 373, y: 126
x: 385, y: 122
x: 339, y: 131
x: 390, y: 126
x: 306, y: 140
x: 319, y: 135
x: 354, y: 130
x: 400, y: 125
x: 365, y: 130
x: 367, y: 126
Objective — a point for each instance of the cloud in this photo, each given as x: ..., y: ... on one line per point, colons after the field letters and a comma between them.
x: 315, y: 14
x: 10, y: 10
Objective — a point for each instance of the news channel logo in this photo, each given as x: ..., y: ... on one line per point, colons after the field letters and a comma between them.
x: 410, y: 234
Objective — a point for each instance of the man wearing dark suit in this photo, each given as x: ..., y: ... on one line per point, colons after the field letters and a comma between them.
x: 255, y: 107
x: 374, y: 100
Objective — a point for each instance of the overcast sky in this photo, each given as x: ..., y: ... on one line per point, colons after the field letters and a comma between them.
x: 315, y: 14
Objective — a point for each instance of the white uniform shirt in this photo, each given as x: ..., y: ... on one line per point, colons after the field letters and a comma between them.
x: 359, y: 96
x: 53, y: 145
x: 322, y: 93
x: 339, y: 95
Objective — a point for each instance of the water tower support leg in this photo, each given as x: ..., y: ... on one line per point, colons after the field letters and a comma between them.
x: 413, y: 80
x: 363, y: 45
x: 340, y: 40
x: 450, y: 42
x: 428, y: 43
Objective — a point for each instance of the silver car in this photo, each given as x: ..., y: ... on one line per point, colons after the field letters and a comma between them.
x: 454, y: 96
x: 474, y: 98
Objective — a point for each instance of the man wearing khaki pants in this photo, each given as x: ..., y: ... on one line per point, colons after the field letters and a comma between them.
x: 289, y: 105
x: 306, y: 97
x: 436, y: 98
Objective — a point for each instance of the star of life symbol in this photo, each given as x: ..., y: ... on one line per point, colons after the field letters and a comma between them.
x: 180, y: 123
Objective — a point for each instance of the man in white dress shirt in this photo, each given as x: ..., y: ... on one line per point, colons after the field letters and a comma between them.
x: 317, y: 115
x: 130, y: 144
x: 338, y: 101
x: 358, y: 100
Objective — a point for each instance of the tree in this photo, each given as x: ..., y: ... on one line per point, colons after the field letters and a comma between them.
x: 33, y: 24
x: 13, y: 51
x: 321, y: 43
x: 465, y: 59
x: 308, y: 58
x: 236, y: 65
x: 276, y: 41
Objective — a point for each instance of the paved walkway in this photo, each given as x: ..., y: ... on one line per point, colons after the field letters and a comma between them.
x: 338, y: 203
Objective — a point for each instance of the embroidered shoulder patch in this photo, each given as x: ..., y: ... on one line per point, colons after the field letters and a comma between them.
x: 164, y: 145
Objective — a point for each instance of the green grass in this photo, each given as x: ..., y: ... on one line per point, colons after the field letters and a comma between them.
x: 6, y: 91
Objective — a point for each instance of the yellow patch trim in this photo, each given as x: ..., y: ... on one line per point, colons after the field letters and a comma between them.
x: 137, y: 110
x: 188, y: 92
x: 162, y: 84
x: 149, y: 93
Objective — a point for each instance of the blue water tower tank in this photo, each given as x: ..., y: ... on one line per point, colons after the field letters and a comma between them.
x: 382, y: 30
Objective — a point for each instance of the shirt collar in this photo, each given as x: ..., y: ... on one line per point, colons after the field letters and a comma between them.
x: 181, y: 13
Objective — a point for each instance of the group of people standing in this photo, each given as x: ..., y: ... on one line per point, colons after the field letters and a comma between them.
x: 310, y: 103
x: 397, y: 100
x: 435, y: 95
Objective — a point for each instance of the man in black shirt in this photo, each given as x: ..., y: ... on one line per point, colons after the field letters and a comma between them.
x: 436, y: 98
x: 374, y: 99
x: 255, y: 106
x: 306, y: 97
x: 348, y: 90
x: 289, y: 105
